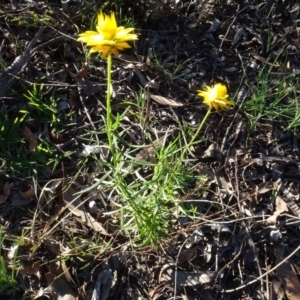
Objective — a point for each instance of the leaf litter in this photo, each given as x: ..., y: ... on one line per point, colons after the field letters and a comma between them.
x: 249, y: 221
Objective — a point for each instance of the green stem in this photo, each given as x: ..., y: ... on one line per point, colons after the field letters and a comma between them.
x: 180, y: 159
x: 195, y: 135
x: 108, y: 104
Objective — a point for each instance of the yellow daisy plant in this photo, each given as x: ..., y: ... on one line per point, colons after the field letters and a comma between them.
x: 108, y: 40
x: 215, y: 97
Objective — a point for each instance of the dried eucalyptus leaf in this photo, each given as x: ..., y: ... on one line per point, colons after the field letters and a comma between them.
x: 214, y: 26
x: 190, y: 279
x: 165, y: 101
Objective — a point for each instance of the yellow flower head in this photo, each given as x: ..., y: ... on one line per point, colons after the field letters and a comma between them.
x: 108, y: 38
x: 216, y: 97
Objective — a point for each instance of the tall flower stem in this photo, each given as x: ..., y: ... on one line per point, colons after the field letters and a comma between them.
x: 195, y: 135
x: 179, y: 161
x: 108, y: 104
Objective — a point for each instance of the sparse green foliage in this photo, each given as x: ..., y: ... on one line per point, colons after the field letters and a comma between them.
x: 34, y: 19
x: 12, y: 144
x: 274, y: 98
x: 146, y: 194
x: 7, y: 277
x: 15, y: 157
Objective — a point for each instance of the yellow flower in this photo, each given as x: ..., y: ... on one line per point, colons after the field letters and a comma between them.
x: 216, y: 97
x: 108, y: 38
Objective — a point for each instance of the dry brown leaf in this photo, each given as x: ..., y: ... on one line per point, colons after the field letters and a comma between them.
x: 50, y: 190
x: 52, y: 246
x: 188, y: 278
x: 264, y: 60
x: 78, y: 209
x: 265, y: 187
x: 145, y: 83
x: 165, y: 101
x: 73, y: 99
x: 67, y: 273
x: 238, y: 35
x: 82, y: 73
x: 149, y: 153
x: 31, y: 139
x: 206, y: 251
x: 292, y: 198
x: 280, y: 208
x: 287, y: 275
x: 277, y: 292
x: 56, y: 139
x: 259, y: 190
x: 32, y: 269
x: 6, y: 192
x: 68, y: 51
x: 50, y: 277
x: 214, y: 26
x: 59, y: 287
x: 294, y: 12
x: 281, y: 205
x: 29, y: 193
x: 103, y: 285
x: 292, y: 285
x: 17, y: 200
x: 187, y: 254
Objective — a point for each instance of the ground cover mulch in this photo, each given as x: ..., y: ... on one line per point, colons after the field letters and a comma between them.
x: 252, y: 169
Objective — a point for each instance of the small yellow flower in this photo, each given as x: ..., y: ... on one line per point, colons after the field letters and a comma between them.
x: 108, y: 38
x: 216, y: 97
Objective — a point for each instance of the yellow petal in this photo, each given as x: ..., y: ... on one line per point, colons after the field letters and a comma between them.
x: 122, y: 45
x: 100, y: 48
x: 88, y: 33
x: 114, y: 51
x: 101, y: 21
x: 221, y: 90
x: 85, y: 36
x: 124, y: 34
x: 112, y: 24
